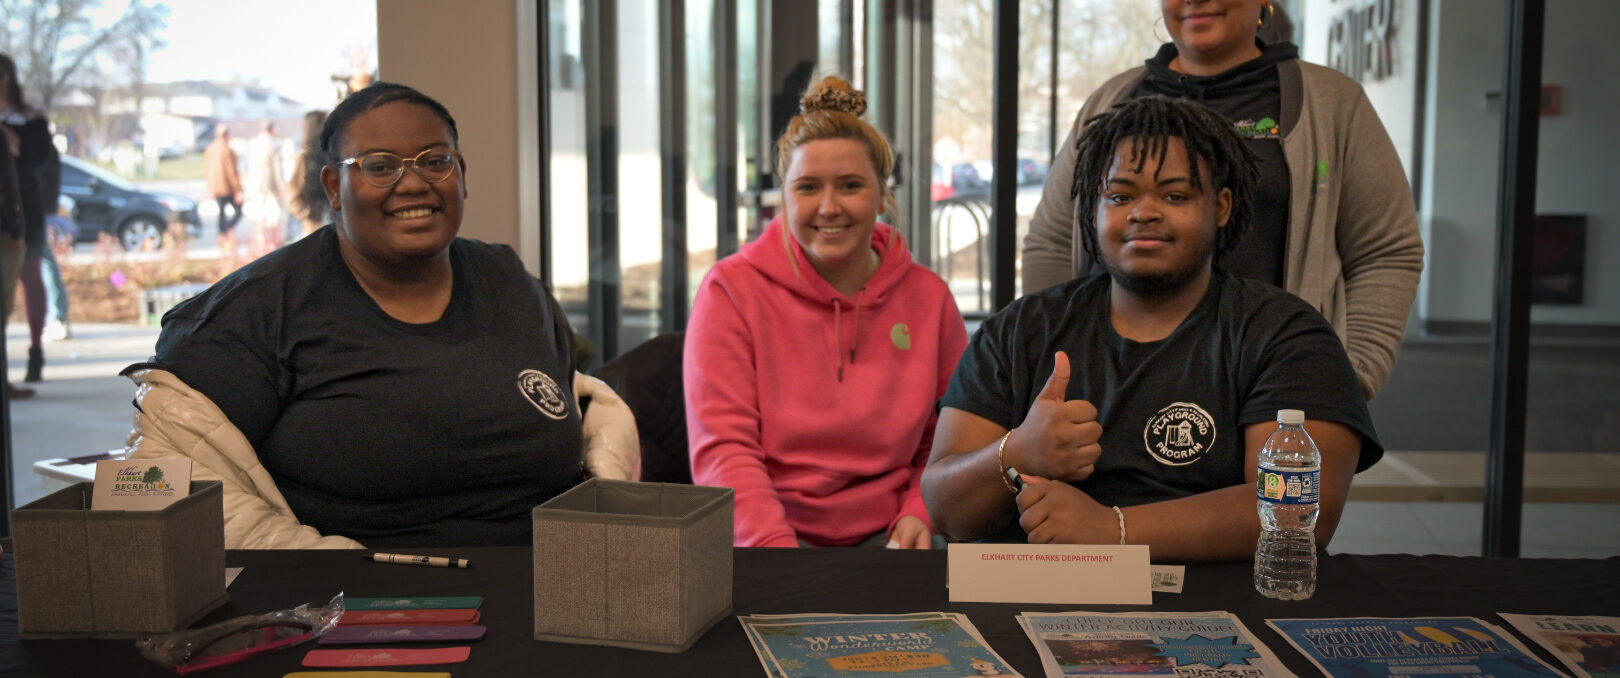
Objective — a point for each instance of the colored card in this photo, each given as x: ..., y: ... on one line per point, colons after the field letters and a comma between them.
x: 409, y: 617
x: 417, y: 603
x: 349, y: 635
x: 337, y: 659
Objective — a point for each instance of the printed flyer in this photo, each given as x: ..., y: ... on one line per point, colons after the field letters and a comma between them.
x: 1589, y: 646
x: 921, y: 645
x: 1184, y: 644
x: 1432, y: 647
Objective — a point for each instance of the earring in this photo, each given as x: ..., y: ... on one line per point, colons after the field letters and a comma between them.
x: 1157, y: 24
x: 1263, y: 19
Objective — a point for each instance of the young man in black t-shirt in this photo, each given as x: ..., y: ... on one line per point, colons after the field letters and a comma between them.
x: 1134, y: 402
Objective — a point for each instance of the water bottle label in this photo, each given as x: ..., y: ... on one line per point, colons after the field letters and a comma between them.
x: 1280, y: 486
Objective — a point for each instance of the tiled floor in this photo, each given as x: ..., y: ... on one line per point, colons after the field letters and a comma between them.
x: 1456, y: 528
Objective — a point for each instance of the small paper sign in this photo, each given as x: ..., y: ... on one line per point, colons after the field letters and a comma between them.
x: 140, y: 484
x: 1168, y: 578
x: 1049, y: 573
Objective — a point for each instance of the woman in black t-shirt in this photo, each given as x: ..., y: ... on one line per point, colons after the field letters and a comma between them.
x: 381, y: 381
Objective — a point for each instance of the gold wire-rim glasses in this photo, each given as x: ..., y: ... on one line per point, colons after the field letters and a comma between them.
x: 383, y: 169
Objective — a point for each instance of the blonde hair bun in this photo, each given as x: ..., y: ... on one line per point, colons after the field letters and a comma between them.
x: 833, y: 94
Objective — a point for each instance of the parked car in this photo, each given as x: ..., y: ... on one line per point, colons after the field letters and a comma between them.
x: 107, y: 203
x: 1030, y: 172
x: 967, y: 180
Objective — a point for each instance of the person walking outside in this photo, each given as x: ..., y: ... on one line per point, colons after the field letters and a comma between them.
x: 266, y: 185
x: 224, y: 183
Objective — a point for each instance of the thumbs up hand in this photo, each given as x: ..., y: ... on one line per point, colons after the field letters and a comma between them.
x: 1058, y: 439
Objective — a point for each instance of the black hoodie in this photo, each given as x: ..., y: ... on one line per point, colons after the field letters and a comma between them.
x: 1250, y: 95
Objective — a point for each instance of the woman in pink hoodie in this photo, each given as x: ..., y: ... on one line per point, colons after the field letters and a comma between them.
x: 814, y: 358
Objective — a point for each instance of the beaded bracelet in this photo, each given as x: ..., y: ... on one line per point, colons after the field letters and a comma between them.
x: 1001, y: 463
x: 1121, y: 515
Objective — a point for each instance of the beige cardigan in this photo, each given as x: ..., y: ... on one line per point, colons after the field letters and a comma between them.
x: 175, y: 420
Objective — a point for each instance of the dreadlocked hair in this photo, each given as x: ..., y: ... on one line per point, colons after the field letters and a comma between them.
x: 1149, y: 123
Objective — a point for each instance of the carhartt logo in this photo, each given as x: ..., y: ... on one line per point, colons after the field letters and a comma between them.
x: 901, y: 336
x: 541, y: 390
x: 1179, y: 434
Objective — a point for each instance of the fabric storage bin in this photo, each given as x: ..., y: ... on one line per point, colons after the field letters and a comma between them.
x: 638, y: 565
x: 116, y: 574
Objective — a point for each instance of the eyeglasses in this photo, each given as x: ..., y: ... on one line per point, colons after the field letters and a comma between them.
x: 383, y: 170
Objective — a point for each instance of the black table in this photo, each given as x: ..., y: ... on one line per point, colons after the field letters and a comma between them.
x: 778, y: 581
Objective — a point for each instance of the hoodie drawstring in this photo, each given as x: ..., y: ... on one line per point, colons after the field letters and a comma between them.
x: 856, y: 340
x: 838, y: 336
x: 838, y: 331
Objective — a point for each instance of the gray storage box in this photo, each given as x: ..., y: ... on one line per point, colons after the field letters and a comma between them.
x: 638, y: 565
x: 116, y: 574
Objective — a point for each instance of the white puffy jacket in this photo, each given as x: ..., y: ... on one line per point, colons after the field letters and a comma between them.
x: 175, y: 420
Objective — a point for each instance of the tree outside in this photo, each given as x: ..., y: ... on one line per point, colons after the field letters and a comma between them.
x: 70, y: 60
x: 1097, y: 40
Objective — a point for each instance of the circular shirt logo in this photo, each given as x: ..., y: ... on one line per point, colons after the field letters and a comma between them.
x: 1179, y: 434
x: 541, y: 390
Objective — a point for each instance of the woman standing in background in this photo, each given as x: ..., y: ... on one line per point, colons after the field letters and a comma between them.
x: 308, y: 199
x: 28, y: 134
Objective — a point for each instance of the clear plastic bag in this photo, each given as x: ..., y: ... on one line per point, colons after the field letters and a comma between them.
x: 240, y: 638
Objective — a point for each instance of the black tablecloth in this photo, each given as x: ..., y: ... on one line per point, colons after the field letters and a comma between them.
x: 781, y: 581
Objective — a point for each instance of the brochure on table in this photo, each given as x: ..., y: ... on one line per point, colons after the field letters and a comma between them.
x: 1107, y: 645
x: 1430, y: 647
x: 920, y: 645
x: 1588, y: 645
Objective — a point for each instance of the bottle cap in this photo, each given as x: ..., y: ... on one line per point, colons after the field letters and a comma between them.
x: 1291, y: 416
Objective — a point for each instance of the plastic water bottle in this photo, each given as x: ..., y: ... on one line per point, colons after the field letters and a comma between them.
x: 1288, y: 488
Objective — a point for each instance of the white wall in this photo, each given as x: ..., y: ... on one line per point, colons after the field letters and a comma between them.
x: 473, y: 72
x: 1460, y: 142
x: 1580, y: 148
x: 1392, y: 94
x: 1458, y: 205
x: 1577, y: 167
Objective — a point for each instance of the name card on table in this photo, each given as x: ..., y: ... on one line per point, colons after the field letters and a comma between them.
x: 140, y: 484
x: 1049, y: 573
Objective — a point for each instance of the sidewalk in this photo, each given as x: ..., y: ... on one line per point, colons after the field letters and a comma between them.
x: 83, y: 406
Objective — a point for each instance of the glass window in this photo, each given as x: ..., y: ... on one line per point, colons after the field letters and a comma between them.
x: 1096, y: 39
x: 1434, y: 414
x: 640, y: 201
x: 569, y: 213
x: 1572, y: 424
x: 964, y: 56
x: 702, y: 220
